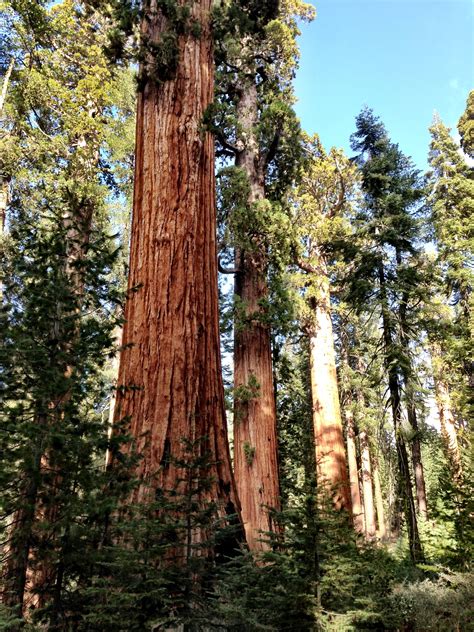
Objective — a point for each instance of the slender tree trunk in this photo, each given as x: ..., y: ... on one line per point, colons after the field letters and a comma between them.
x: 367, y: 486
x: 330, y: 453
x: 255, y: 439
x: 411, y: 412
x: 15, y: 571
x: 170, y: 383
x: 6, y: 80
x: 381, y: 529
x: 417, y: 462
x: 4, y: 190
x: 405, y: 488
x: 357, y: 508
x: 446, y: 415
x: 4, y: 179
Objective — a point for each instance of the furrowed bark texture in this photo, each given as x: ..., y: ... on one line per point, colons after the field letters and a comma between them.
x: 357, y: 507
x: 367, y: 486
x: 255, y: 439
x: 170, y: 384
x: 330, y: 453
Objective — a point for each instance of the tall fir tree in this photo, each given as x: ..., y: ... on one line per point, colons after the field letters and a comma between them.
x: 58, y: 294
x: 391, y: 190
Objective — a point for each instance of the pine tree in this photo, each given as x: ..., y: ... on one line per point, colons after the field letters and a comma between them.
x: 466, y: 126
x: 58, y: 109
x: 391, y: 189
x: 451, y: 197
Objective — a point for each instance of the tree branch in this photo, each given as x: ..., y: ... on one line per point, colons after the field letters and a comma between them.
x: 269, y: 155
x: 223, y: 270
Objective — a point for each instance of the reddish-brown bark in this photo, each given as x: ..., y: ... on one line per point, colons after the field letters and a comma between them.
x: 255, y: 439
x: 170, y: 383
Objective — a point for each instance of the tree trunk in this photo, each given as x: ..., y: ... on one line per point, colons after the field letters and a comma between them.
x: 170, y: 383
x: 370, y: 529
x: 417, y: 463
x: 446, y: 415
x: 15, y: 571
x: 330, y: 454
x: 357, y: 508
x: 4, y: 191
x: 411, y: 412
x: 4, y: 179
x: 381, y: 529
x: 255, y: 438
x: 404, y: 487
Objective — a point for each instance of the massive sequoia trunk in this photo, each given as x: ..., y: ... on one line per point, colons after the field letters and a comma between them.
x: 170, y: 384
x: 330, y: 453
x: 255, y: 440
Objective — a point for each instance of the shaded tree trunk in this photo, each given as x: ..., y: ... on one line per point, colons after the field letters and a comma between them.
x: 170, y: 383
x: 404, y: 482
x: 357, y: 506
x: 381, y: 529
x: 330, y: 453
x: 411, y: 412
x: 255, y: 439
x: 4, y: 179
x: 446, y: 415
x: 367, y: 488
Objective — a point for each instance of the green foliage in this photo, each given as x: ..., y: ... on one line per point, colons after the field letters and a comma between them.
x: 451, y: 198
x: 466, y: 126
x: 441, y: 604
x: 249, y: 452
x: 246, y: 392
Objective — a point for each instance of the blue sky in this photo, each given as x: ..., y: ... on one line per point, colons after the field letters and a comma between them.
x: 403, y: 58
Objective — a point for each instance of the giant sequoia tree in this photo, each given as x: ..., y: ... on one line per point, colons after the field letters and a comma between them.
x: 254, y: 124
x: 170, y: 384
x: 326, y: 184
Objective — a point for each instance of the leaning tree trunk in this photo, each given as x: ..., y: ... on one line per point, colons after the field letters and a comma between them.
x: 404, y: 481
x: 170, y: 383
x: 255, y: 438
x: 357, y: 507
x: 330, y: 453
